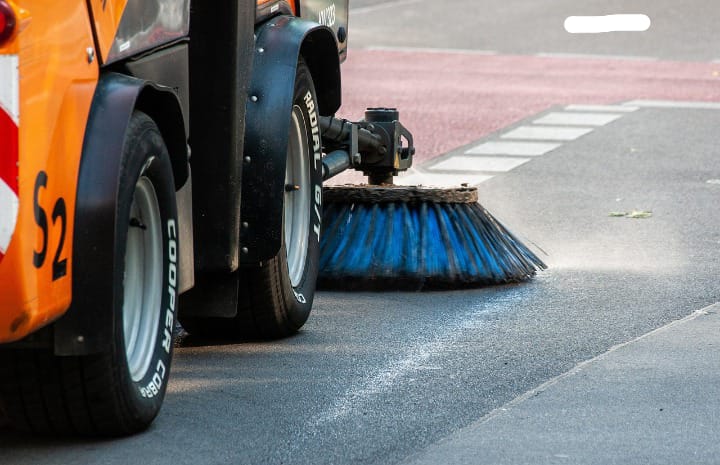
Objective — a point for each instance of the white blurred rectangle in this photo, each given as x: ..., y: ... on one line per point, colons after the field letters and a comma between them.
x: 607, y: 23
x: 422, y: 178
x: 513, y: 148
x: 546, y: 133
x: 479, y: 163
x: 608, y: 108
x: 578, y: 119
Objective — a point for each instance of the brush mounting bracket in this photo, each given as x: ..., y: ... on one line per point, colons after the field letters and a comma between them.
x: 379, y: 146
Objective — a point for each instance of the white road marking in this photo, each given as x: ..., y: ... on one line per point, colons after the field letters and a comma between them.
x: 417, y: 177
x: 546, y: 133
x: 607, y: 23
x: 595, y: 57
x: 475, y: 166
x: 610, y: 108
x: 457, y: 51
x: 382, y: 6
x: 672, y: 104
x: 479, y: 163
x: 577, y: 119
x: 513, y: 148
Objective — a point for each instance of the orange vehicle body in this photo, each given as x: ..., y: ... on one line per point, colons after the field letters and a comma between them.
x: 55, y: 61
x: 113, y: 218
x: 56, y: 81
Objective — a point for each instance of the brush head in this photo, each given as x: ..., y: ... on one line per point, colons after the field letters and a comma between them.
x: 399, y: 237
x: 411, y: 195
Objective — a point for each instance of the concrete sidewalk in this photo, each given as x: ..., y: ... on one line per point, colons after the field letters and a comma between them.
x: 655, y: 399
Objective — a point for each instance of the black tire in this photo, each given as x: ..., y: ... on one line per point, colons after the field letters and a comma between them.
x: 275, y: 302
x: 105, y: 394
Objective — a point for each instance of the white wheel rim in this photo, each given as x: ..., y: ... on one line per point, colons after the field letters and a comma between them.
x: 142, y: 284
x: 297, y: 202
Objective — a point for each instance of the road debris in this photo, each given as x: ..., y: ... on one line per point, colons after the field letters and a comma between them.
x: 635, y: 214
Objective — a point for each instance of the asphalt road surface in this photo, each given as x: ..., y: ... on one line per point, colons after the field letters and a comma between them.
x: 679, y: 31
x: 380, y: 378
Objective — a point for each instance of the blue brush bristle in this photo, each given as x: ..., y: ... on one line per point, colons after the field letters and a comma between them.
x: 419, y: 245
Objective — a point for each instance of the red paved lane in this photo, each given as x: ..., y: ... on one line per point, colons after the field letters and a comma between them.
x: 450, y: 99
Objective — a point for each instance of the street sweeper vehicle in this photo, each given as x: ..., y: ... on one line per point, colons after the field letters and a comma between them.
x: 163, y: 160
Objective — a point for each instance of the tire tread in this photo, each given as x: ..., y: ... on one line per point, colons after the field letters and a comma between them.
x: 47, y: 394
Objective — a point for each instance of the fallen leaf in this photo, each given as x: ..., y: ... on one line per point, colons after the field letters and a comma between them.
x: 639, y: 214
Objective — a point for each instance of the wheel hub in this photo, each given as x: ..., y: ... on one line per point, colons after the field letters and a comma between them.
x: 297, y: 206
x: 142, y: 284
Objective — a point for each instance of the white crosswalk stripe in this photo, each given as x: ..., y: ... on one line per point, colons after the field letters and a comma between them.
x: 675, y: 104
x: 578, y: 119
x: 479, y: 163
x: 513, y: 148
x: 520, y: 145
x: 608, y: 108
x: 418, y: 177
x: 559, y: 133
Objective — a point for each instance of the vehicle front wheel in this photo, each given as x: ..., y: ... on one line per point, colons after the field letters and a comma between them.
x: 118, y: 391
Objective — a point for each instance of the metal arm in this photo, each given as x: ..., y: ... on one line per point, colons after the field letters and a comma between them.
x: 374, y: 146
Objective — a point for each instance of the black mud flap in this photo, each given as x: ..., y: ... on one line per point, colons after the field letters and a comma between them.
x: 280, y: 42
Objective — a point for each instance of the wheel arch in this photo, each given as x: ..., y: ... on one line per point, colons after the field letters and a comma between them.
x: 164, y: 108
x: 84, y: 329
x: 320, y: 53
x: 280, y: 43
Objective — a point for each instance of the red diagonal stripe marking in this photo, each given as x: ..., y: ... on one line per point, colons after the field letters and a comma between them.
x: 8, y: 151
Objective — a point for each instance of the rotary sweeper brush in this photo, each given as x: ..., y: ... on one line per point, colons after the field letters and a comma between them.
x: 383, y: 236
